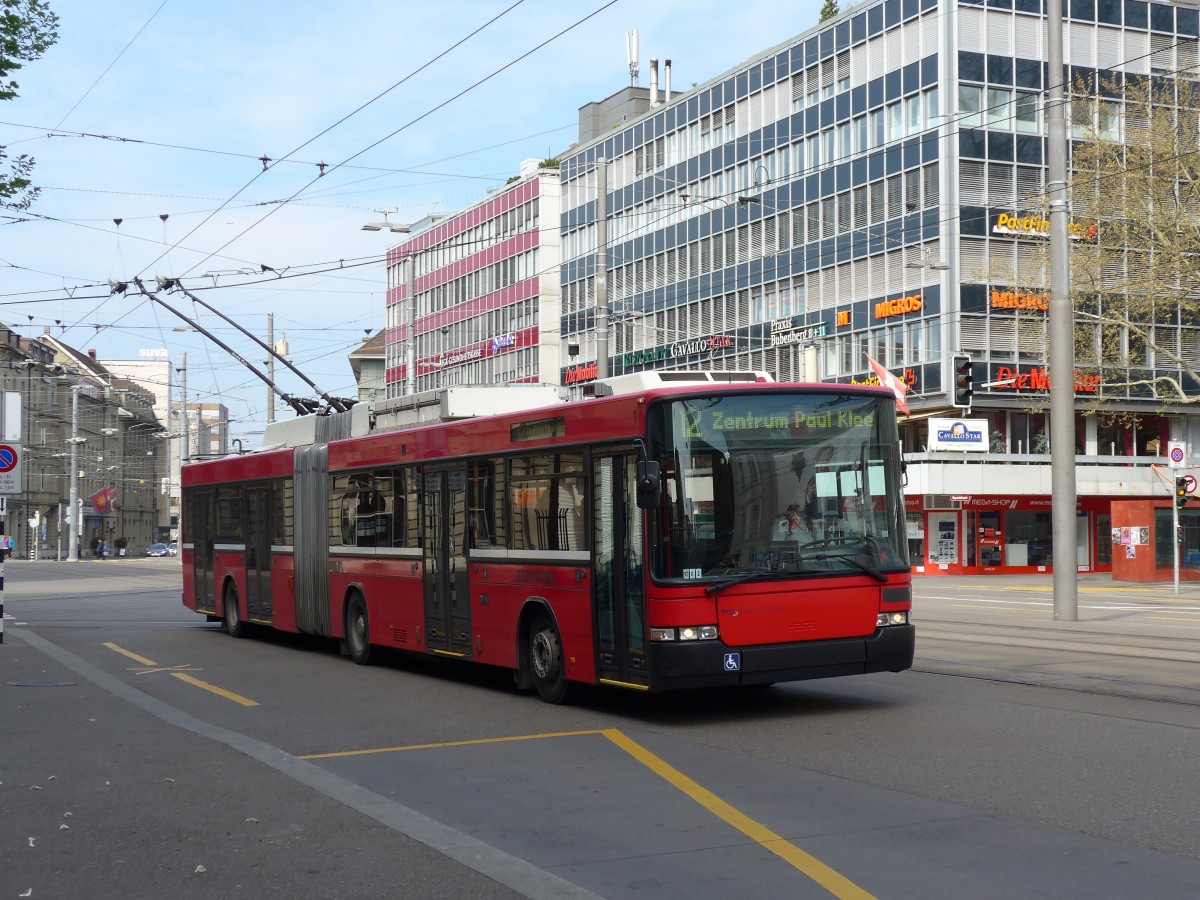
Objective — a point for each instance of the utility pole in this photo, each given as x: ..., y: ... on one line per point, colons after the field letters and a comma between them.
x: 73, y: 511
x: 271, y: 368
x: 1062, y: 339
x: 184, y: 448
x: 601, y: 268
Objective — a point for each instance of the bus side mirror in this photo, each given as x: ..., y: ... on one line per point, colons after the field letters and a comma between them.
x: 649, y: 486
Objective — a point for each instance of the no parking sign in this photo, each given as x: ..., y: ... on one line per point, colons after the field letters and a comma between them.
x: 1176, y: 454
x: 10, y: 467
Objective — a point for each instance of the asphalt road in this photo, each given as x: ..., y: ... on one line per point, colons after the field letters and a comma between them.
x: 1021, y: 756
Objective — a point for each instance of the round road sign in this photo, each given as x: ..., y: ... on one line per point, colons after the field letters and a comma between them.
x: 1190, y: 482
x: 8, y: 458
x: 1177, y: 454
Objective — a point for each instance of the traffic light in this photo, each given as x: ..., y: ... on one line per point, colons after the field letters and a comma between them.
x: 964, y: 379
x: 1181, y: 492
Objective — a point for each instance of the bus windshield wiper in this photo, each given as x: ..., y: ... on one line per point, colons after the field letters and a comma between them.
x: 713, y: 589
x: 858, y: 564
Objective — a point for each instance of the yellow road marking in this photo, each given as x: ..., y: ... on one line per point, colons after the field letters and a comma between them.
x: 186, y: 667
x: 834, y: 882
x: 1049, y: 589
x: 174, y: 670
x: 133, y: 656
x: 998, y: 608
x: 501, y: 740
x: 220, y: 692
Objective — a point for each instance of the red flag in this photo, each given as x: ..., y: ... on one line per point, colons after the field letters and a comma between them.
x: 102, y: 501
x: 887, y: 379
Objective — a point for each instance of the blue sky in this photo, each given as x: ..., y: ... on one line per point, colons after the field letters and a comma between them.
x: 151, y: 108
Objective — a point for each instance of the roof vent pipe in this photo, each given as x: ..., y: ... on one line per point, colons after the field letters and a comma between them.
x: 667, y: 81
x: 654, y: 82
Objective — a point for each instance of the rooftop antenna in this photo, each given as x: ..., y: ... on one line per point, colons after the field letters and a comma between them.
x: 631, y: 56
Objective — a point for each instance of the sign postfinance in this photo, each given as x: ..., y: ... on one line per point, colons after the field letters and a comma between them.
x: 1039, y: 226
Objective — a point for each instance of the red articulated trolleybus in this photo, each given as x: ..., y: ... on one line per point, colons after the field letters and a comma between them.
x: 680, y: 535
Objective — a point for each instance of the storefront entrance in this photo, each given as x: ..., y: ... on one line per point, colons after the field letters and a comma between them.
x: 1003, y: 535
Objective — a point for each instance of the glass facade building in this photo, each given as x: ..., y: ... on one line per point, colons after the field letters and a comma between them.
x: 874, y: 188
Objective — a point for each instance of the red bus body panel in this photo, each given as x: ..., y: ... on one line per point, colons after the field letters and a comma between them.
x: 761, y: 617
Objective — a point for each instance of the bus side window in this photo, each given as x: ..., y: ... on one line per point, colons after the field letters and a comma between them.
x: 481, y: 504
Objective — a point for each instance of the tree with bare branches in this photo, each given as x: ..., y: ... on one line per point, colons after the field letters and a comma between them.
x: 1135, y: 253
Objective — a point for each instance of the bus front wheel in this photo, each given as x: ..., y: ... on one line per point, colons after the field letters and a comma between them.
x: 546, y: 661
x: 234, y: 625
x: 358, y: 630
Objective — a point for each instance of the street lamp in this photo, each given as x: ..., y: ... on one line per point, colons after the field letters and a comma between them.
x: 411, y: 343
x: 75, y: 440
x: 385, y: 225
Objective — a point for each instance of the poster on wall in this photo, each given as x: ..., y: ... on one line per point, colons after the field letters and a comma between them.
x: 1131, y: 552
x: 1116, y: 535
x: 1143, y: 535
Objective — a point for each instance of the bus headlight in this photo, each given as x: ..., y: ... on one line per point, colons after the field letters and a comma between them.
x: 685, y: 633
x: 884, y: 619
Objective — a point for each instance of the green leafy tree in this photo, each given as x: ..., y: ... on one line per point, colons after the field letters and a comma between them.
x: 829, y: 10
x: 27, y: 29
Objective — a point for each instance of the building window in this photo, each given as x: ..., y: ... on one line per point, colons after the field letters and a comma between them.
x: 970, y: 105
x: 1027, y: 113
x: 999, y: 108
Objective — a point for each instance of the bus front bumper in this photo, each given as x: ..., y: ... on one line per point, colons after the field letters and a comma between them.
x: 698, y: 664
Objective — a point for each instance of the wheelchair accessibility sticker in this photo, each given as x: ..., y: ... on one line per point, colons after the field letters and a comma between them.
x: 733, y: 662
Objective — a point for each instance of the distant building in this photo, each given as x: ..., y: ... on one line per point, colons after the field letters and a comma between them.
x: 486, y: 289
x: 367, y: 363
x: 118, y: 458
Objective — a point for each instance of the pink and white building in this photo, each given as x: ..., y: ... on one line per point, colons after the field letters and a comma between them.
x: 486, y: 284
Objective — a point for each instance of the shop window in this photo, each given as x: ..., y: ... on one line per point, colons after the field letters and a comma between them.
x: 1028, y: 541
x: 916, y: 537
x: 1165, y: 538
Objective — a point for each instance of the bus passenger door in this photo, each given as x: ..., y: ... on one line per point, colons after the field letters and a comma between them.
x: 258, y: 554
x: 447, y: 593
x: 200, y: 535
x: 620, y: 582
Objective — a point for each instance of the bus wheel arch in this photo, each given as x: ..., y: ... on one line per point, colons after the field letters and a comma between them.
x: 357, y: 628
x: 543, y: 665
x: 232, y: 622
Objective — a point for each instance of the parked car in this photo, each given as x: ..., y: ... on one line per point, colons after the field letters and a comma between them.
x: 173, y: 548
x: 157, y: 550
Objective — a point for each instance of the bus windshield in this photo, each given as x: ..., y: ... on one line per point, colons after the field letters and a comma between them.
x: 778, y: 484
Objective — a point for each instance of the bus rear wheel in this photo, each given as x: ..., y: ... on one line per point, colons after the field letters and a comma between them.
x: 546, y: 661
x: 358, y: 630
x: 234, y: 625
